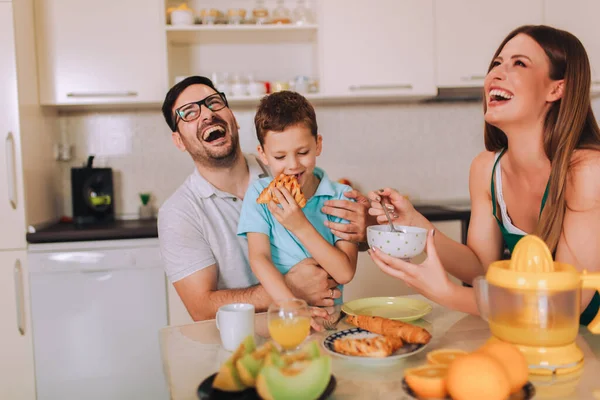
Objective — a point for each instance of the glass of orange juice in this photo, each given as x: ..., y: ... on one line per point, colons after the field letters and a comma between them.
x: 289, y: 323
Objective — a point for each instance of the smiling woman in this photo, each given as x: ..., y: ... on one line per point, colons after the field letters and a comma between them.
x: 540, y: 173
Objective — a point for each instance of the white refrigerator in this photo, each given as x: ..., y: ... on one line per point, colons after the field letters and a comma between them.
x: 17, y: 118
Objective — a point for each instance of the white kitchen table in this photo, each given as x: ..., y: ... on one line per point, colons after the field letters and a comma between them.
x: 193, y: 352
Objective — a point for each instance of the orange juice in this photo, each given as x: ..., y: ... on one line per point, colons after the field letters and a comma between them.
x: 508, y: 327
x: 289, y: 333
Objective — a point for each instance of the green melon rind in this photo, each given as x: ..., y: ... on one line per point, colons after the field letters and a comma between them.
x: 309, y: 384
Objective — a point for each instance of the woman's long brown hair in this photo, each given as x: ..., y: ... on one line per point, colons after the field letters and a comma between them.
x: 570, y: 123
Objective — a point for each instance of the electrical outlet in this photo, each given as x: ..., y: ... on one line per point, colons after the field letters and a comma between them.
x: 62, y: 152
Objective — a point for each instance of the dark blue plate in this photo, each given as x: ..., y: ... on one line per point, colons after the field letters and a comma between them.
x: 526, y: 393
x: 206, y: 391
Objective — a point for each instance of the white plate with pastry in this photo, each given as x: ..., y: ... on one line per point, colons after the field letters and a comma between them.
x: 357, y: 344
x: 377, y: 339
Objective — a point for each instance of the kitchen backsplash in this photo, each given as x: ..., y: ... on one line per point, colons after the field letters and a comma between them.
x: 424, y: 150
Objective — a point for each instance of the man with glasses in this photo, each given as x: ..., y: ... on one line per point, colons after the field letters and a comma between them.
x: 205, y: 259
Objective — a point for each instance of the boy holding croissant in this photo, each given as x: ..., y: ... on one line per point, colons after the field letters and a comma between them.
x: 282, y: 217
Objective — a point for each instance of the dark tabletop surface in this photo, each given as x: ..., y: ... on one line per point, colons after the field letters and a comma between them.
x: 137, y: 229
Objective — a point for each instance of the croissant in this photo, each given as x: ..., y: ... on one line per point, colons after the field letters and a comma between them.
x: 387, y: 327
x: 290, y: 183
x: 379, y: 346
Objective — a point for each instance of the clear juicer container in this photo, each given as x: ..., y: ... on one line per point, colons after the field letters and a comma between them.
x: 533, y: 317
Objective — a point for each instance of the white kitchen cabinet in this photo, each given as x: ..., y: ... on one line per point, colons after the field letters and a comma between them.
x: 107, y: 52
x: 377, y: 49
x: 11, y: 189
x: 579, y: 17
x: 468, y: 32
x: 16, y: 362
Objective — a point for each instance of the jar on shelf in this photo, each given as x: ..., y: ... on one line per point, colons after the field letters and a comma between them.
x: 260, y: 14
x: 281, y: 14
x: 210, y: 16
x: 302, y: 15
x: 236, y: 16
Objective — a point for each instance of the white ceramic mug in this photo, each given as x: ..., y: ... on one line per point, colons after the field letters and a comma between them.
x: 235, y: 322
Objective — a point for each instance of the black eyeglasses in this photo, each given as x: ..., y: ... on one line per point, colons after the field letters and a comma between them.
x: 191, y: 111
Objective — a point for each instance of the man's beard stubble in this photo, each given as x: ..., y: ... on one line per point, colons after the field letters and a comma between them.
x: 210, y: 159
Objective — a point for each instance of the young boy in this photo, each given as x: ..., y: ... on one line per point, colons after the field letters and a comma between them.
x: 279, y: 236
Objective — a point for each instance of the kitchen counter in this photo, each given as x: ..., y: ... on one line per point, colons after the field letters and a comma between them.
x: 120, y: 229
x: 192, y: 352
x: 136, y: 229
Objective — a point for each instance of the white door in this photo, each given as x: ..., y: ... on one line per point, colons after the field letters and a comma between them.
x: 579, y: 17
x: 12, y: 214
x: 98, y: 52
x: 378, y: 48
x: 16, y: 349
x: 468, y: 32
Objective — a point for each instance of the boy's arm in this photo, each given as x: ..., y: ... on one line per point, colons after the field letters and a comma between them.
x: 339, y: 260
x: 336, y: 262
x: 259, y: 252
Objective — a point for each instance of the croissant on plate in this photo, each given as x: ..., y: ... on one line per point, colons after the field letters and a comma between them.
x: 290, y: 183
x: 407, y: 332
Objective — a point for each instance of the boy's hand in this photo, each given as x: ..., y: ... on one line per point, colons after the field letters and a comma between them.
x: 290, y: 214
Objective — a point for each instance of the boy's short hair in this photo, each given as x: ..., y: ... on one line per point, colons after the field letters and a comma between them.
x: 280, y: 110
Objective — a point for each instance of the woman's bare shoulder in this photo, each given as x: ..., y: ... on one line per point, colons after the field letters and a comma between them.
x: 480, y: 174
x: 583, y: 183
x: 482, y: 165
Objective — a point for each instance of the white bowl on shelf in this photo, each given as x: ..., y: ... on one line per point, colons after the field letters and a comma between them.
x: 182, y: 17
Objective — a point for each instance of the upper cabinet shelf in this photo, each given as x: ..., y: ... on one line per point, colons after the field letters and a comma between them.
x: 240, y: 28
x: 244, y: 33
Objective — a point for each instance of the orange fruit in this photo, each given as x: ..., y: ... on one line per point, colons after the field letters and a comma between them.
x: 427, y: 381
x: 512, y: 360
x: 477, y: 376
x: 444, y: 356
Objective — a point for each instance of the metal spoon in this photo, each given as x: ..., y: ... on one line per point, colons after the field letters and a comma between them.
x: 387, y: 215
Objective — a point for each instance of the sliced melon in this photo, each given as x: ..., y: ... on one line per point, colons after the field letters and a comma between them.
x: 227, y: 378
x: 303, y: 380
x: 249, y: 365
x: 309, y: 351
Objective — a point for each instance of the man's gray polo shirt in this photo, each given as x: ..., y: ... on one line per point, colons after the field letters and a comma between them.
x: 197, y: 227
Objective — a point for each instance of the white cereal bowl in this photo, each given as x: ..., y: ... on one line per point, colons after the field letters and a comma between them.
x: 397, y: 244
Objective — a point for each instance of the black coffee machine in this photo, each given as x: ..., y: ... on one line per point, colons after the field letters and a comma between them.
x: 92, y: 194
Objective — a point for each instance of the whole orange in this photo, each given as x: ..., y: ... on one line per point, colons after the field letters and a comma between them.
x: 477, y: 376
x: 512, y: 360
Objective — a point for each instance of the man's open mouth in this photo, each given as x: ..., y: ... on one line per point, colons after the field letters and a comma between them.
x: 213, y: 133
x: 500, y: 96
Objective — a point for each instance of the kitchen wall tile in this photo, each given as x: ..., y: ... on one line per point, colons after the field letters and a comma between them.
x: 424, y: 150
